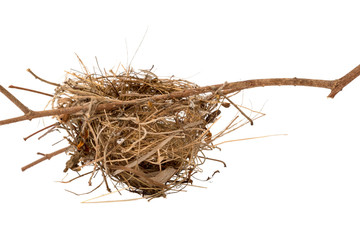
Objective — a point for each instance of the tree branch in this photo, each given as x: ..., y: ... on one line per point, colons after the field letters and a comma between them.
x: 12, y: 98
x: 30, y: 90
x: 45, y: 157
x: 345, y: 80
x: 43, y: 80
x: 52, y: 125
x: 334, y: 85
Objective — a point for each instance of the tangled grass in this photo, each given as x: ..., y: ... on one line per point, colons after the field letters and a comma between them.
x: 154, y: 147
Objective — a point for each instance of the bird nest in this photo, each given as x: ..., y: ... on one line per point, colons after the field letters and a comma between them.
x: 147, y: 133
x: 152, y: 147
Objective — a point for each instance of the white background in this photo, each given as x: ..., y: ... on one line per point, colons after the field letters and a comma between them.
x: 301, y: 186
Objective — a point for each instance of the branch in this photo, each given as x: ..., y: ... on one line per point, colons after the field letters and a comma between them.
x: 12, y: 98
x: 334, y: 85
x: 345, y: 80
x: 46, y: 113
x: 43, y: 80
x: 46, y: 156
x: 30, y: 90
x: 52, y: 125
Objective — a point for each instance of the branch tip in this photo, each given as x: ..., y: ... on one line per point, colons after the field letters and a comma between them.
x: 41, y: 79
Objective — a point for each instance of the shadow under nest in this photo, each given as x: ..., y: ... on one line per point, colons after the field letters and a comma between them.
x: 152, y: 148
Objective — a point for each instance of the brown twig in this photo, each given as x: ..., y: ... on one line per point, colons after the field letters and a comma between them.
x: 246, y: 116
x: 43, y: 80
x: 45, y: 113
x: 334, y: 85
x: 46, y: 156
x: 30, y: 90
x: 12, y: 98
x: 52, y: 125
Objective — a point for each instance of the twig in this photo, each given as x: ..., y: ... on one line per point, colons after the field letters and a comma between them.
x: 79, y: 194
x: 43, y: 80
x: 12, y: 98
x: 213, y: 159
x: 45, y: 113
x: 334, y: 85
x: 46, y: 156
x: 30, y: 90
x: 52, y: 125
x: 69, y: 181
x: 248, y: 118
x: 243, y: 139
x: 49, y: 131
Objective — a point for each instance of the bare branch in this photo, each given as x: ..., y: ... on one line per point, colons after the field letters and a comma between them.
x: 345, y: 80
x: 52, y: 125
x: 30, y: 90
x: 43, y: 80
x: 334, y: 85
x: 46, y: 156
x: 12, y: 98
x: 248, y: 118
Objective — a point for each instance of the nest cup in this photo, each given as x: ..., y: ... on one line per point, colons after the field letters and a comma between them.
x: 151, y: 147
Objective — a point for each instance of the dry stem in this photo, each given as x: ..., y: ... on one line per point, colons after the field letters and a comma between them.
x: 52, y: 125
x: 45, y: 157
x: 43, y: 80
x: 12, y: 98
x: 30, y: 90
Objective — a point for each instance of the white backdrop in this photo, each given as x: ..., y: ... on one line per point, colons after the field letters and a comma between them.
x: 301, y: 186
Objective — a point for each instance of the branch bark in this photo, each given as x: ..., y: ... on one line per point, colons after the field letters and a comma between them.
x: 334, y: 85
x: 30, y: 90
x: 43, y: 80
x: 16, y: 101
x: 45, y: 157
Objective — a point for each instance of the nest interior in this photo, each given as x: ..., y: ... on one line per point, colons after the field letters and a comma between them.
x: 152, y: 147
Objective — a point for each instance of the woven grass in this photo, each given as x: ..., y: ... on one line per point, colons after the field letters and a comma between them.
x: 152, y: 148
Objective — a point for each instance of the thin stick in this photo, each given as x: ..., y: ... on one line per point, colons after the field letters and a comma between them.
x: 30, y: 90
x: 243, y: 139
x: 213, y: 159
x: 334, y: 85
x: 106, y: 194
x: 79, y: 194
x: 46, y: 156
x: 82, y: 64
x: 249, y: 119
x: 12, y: 98
x: 129, y: 66
x: 69, y: 181
x: 43, y: 80
x: 52, y: 125
x: 45, y: 113
x: 49, y: 131
x: 112, y: 201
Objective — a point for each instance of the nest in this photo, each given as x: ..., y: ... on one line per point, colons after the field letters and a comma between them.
x: 142, y: 131
x: 153, y: 147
